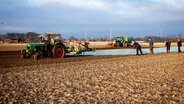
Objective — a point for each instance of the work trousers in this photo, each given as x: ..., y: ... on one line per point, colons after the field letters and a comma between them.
x: 179, y: 50
x: 168, y: 49
x: 151, y: 50
x: 138, y: 49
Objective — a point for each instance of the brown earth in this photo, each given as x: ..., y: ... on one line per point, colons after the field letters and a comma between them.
x: 10, y: 59
x: 92, y: 79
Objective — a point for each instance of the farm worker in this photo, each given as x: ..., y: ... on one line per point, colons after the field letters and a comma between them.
x: 85, y: 45
x: 42, y: 40
x: 77, y: 47
x: 125, y: 43
x: 168, y: 45
x: 52, y: 40
x: 72, y: 44
x: 179, y: 44
x: 138, y: 47
x: 151, y: 44
x: 47, y: 43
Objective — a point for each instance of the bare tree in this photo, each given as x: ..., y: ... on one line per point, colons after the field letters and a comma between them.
x: 32, y: 37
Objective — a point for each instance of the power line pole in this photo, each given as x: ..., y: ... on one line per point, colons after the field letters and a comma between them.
x: 60, y: 29
x: 110, y: 31
x: 161, y: 31
x: 85, y: 33
x: 1, y: 30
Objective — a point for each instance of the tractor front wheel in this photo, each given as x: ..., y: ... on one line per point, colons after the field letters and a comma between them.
x: 58, y: 51
x: 118, y: 44
x: 23, y: 54
x: 38, y: 56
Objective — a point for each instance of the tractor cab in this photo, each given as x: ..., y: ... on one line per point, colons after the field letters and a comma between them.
x: 51, y: 38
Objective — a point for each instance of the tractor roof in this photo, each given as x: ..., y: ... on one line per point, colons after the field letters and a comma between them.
x: 46, y: 34
x: 41, y: 36
x: 52, y: 34
x: 49, y: 33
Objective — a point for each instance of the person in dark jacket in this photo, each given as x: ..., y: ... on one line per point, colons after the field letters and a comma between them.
x: 168, y: 45
x: 179, y: 45
x: 138, y: 47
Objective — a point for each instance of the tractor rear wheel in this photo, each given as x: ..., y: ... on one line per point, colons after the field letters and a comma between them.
x: 58, y: 51
x: 38, y: 56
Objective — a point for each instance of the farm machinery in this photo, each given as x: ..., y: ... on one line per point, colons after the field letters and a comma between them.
x: 120, y: 41
x: 52, y: 45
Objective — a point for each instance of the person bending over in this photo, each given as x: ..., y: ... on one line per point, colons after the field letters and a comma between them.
x: 138, y: 47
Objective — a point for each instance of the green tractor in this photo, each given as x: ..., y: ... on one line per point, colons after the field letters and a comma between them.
x: 124, y: 41
x: 50, y: 45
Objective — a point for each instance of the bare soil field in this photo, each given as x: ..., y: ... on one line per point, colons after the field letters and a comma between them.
x: 92, y: 79
x: 10, y: 59
x: 12, y: 47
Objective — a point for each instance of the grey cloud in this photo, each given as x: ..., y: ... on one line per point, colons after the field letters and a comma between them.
x: 40, y: 15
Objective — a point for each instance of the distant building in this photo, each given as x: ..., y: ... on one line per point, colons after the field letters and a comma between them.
x: 14, y: 40
x: 1, y: 40
x: 6, y: 40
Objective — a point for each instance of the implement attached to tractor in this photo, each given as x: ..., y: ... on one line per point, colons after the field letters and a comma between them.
x: 52, y: 45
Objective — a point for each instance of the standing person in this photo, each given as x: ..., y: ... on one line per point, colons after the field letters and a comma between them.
x: 168, y: 45
x: 151, y: 43
x: 179, y: 44
x: 47, y: 43
x: 138, y: 47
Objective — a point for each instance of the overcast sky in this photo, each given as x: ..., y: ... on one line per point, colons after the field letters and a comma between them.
x: 136, y: 18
